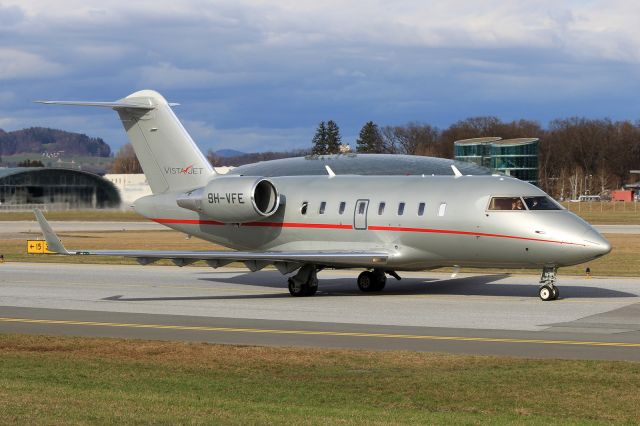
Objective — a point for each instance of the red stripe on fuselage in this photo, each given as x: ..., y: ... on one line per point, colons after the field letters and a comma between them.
x: 453, y: 232
x: 350, y: 227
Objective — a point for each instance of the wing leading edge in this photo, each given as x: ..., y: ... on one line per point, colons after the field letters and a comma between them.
x: 285, y: 261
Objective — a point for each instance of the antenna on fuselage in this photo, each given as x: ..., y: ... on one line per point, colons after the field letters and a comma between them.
x: 456, y: 172
x: 331, y: 173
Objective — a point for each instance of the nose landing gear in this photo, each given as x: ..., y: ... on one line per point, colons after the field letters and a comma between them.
x: 548, y: 289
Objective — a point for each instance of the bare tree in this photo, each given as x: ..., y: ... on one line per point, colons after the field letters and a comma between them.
x: 126, y: 161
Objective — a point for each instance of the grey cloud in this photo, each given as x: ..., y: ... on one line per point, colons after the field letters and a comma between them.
x: 241, y: 70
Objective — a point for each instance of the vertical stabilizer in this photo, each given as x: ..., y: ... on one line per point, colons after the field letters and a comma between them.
x: 170, y: 159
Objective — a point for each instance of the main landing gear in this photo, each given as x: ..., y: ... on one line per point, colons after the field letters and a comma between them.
x: 305, y: 282
x: 370, y: 281
x: 548, y: 289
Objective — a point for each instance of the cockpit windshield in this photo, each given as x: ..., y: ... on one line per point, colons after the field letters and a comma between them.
x: 541, y: 203
x: 529, y: 203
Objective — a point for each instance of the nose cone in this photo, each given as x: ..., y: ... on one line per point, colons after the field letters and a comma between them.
x: 596, y: 244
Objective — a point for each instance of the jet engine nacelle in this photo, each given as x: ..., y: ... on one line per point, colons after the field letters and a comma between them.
x: 233, y: 199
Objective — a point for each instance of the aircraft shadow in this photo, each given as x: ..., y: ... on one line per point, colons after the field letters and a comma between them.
x: 481, y: 285
x: 121, y: 298
x: 485, y: 285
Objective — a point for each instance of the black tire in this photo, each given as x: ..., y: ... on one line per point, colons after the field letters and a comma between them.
x: 295, y: 292
x: 366, y: 281
x: 380, y: 280
x: 304, y: 290
x: 546, y: 293
x: 556, y: 293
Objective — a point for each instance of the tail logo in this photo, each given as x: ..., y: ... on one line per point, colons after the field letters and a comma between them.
x: 189, y: 170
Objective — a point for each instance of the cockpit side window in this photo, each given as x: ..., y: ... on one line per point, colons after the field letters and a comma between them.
x: 541, y: 203
x: 506, y: 203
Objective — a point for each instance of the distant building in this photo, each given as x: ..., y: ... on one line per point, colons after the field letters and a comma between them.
x: 130, y: 187
x: 513, y: 157
x: 23, y: 188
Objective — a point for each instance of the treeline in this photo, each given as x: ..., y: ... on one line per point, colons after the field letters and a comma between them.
x: 39, y: 140
x: 576, y: 155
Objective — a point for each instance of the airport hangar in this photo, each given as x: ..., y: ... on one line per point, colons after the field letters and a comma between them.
x: 54, y: 188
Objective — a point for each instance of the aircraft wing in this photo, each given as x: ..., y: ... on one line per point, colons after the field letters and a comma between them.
x: 284, y: 261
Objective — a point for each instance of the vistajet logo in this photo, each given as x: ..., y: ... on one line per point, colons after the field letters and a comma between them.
x: 183, y: 170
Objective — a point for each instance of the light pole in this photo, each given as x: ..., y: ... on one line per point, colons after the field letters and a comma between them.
x: 585, y: 190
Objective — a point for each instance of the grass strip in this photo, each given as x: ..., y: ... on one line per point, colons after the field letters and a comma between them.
x: 88, y: 380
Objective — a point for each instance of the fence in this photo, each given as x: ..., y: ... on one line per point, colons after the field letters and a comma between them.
x: 603, y: 206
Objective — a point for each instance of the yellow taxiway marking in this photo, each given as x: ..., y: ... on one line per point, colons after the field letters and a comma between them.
x: 320, y: 333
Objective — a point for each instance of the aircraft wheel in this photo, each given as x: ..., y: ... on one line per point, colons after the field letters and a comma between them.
x: 302, y: 291
x: 380, y: 280
x: 546, y: 293
x: 366, y: 281
x: 556, y: 293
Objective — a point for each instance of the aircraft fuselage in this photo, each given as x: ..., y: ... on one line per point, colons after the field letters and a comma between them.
x: 426, y: 222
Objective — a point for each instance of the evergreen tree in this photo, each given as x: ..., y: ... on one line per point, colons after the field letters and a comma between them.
x: 333, y: 138
x: 320, y: 140
x: 370, y: 139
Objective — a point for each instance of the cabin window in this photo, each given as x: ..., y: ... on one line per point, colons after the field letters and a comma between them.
x: 421, y: 209
x: 362, y: 206
x: 442, y: 209
x: 323, y: 206
x: 343, y: 205
x: 400, y: 209
x: 303, y: 209
x: 507, y: 203
x: 381, y: 208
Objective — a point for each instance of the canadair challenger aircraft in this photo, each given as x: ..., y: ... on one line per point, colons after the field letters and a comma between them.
x: 383, y: 224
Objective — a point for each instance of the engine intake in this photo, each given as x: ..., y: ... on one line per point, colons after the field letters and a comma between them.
x: 233, y: 199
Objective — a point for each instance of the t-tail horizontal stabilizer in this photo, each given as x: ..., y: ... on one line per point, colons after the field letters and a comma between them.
x: 116, y: 105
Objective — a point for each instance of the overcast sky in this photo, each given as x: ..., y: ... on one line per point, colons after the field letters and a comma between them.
x: 260, y: 75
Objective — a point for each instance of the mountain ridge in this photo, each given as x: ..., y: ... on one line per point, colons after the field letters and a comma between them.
x: 45, y: 140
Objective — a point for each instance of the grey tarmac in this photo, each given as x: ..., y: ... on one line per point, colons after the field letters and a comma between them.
x: 13, y: 229
x: 596, y: 318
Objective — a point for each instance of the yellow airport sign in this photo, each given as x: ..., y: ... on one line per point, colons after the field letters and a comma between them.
x: 37, y: 247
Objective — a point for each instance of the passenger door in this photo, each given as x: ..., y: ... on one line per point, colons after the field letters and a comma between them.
x: 360, y: 214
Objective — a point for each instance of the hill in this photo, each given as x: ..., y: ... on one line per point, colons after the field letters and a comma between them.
x: 39, y: 140
x: 229, y: 153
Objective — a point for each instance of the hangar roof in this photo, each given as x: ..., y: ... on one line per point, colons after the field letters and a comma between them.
x: 10, y: 171
x: 358, y: 164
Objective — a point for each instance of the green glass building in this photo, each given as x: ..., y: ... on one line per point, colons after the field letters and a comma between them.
x: 512, y: 157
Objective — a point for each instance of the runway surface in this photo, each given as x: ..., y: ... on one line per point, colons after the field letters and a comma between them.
x: 483, y: 314
x: 11, y: 229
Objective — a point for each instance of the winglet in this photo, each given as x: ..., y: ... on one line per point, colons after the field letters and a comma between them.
x: 53, y: 242
x: 456, y: 172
